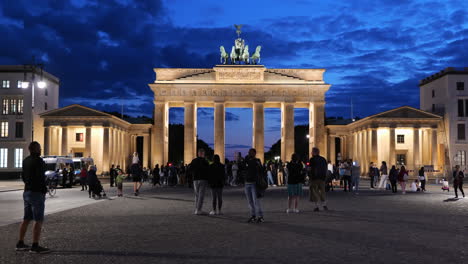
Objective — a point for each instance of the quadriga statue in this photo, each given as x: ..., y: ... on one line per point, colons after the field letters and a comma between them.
x: 224, y: 55
x: 256, y: 56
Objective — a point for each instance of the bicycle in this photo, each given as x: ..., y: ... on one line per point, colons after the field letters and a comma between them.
x: 51, y: 183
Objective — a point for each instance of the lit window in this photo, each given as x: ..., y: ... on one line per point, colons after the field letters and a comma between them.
x: 20, y: 106
x: 79, y: 137
x: 19, y: 130
x: 4, y: 130
x: 18, y: 158
x: 3, y: 157
x: 460, y: 86
x: 400, y: 139
x: 5, y: 106
x: 20, y: 84
x: 461, y: 131
x: 13, y: 106
x: 461, y: 157
x: 6, y: 84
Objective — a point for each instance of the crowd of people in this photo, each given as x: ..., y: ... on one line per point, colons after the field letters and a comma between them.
x: 320, y: 175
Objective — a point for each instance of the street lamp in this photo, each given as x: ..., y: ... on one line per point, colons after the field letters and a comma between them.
x: 307, y: 136
x: 40, y: 84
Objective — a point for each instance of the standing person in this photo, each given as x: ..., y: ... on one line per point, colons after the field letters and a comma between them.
x: 156, y: 176
x: 383, y: 175
x: 83, y: 175
x: 199, y: 168
x: 64, y: 177
x: 355, y: 177
x: 136, y: 172
x: 393, y: 177
x: 217, y: 177
x: 92, y: 180
x: 254, y: 172
x: 422, y: 179
x: 34, y: 198
x: 270, y: 175
x: 402, y: 178
x: 347, y: 171
x: 235, y: 169
x: 458, y: 181
x: 112, y: 175
x: 295, y: 181
x: 317, y: 175
x: 280, y: 174
x: 119, y: 179
x: 71, y: 176
x: 371, y: 174
x: 162, y: 175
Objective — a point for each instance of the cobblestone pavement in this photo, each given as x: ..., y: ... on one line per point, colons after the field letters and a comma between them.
x: 158, y: 227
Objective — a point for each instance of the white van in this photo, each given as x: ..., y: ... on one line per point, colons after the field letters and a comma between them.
x: 55, y: 164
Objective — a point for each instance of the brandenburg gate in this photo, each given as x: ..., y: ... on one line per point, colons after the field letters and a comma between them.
x: 243, y: 86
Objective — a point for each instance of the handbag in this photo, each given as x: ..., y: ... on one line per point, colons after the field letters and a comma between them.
x: 405, y: 177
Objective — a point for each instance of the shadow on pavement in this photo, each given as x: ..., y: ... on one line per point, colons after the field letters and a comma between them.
x: 451, y: 200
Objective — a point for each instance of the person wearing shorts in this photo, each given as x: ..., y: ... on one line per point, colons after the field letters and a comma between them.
x: 34, y: 198
x: 136, y: 177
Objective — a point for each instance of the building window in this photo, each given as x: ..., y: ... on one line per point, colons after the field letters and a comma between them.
x: 79, y: 137
x: 4, y: 129
x: 461, y: 108
x: 6, y: 84
x: 45, y: 106
x: 19, y: 130
x: 461, y: 157
x: 460, y: 86
x: 46, y: 92
x: 400, y: 139
x: 5, y: 106
x: 433, y: 93
x: 401, y: 159
x: 12, y: 106
x: 433, y: 108
x: 20, y: 106
x: 461, y: 131
x: 3, y: 157
x: 18, y: 158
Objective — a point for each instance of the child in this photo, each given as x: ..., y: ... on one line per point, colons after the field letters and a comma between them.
x: 119, y: 181
x: 445, y: 185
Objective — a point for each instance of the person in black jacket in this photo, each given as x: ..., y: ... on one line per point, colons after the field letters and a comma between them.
x: 295, y: 181
x: 199, y: 169
x: 217, y: 177
x: 317, y: 175
x: 254, y: 170
x: 34, y: 198
x: 112, y: 175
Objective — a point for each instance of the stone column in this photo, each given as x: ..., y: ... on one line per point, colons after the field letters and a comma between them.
x: 64, y: 140
x: 416, y: 154
x: 46, y: 140
x: 332, y: 152
x: 111, y: 145
x: 160, y: 142
x: 434, y: 146
x: 88, y: 144
x: 392, y: 139
x: 219, y: 127
x: 105, y: 150
x: 258, y: 140
x: 287, y: 131
x: 312, y: 127
x: 146, y: 146
x: 373, y: 146
x: 190, y: 132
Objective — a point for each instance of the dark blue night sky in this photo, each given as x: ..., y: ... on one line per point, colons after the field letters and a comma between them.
x: 104, y: 51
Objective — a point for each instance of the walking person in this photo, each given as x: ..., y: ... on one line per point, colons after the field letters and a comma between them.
x: 458, y: 181
x: 119, y: 179
x: 136, y: 172
x: 295, y: 182
x: 34, y: 198
x: 92, y: 181
x: 317, y: 175
x: 270, y: 175
x: 393, y: 177
x: 235, y: 169
x: 112, y: 175
x: 355, y: 176
x: 253, y: 194
x: 199, y: 169
x: 280, y: 174
x: 422, y: 179
x: 383, y: 175
x: 371, y: 174
x: 217, y: 177
x: 402, y: 178
x: 83, y: 175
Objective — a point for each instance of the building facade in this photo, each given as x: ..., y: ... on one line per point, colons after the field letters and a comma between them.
x: 446, y: 93
x: 25, y: 93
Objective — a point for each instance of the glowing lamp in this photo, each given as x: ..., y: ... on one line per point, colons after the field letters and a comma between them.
x: 24, y: 85
x: 41, y: 84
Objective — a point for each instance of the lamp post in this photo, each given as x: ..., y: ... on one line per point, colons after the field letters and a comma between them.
x: 40, y: 84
